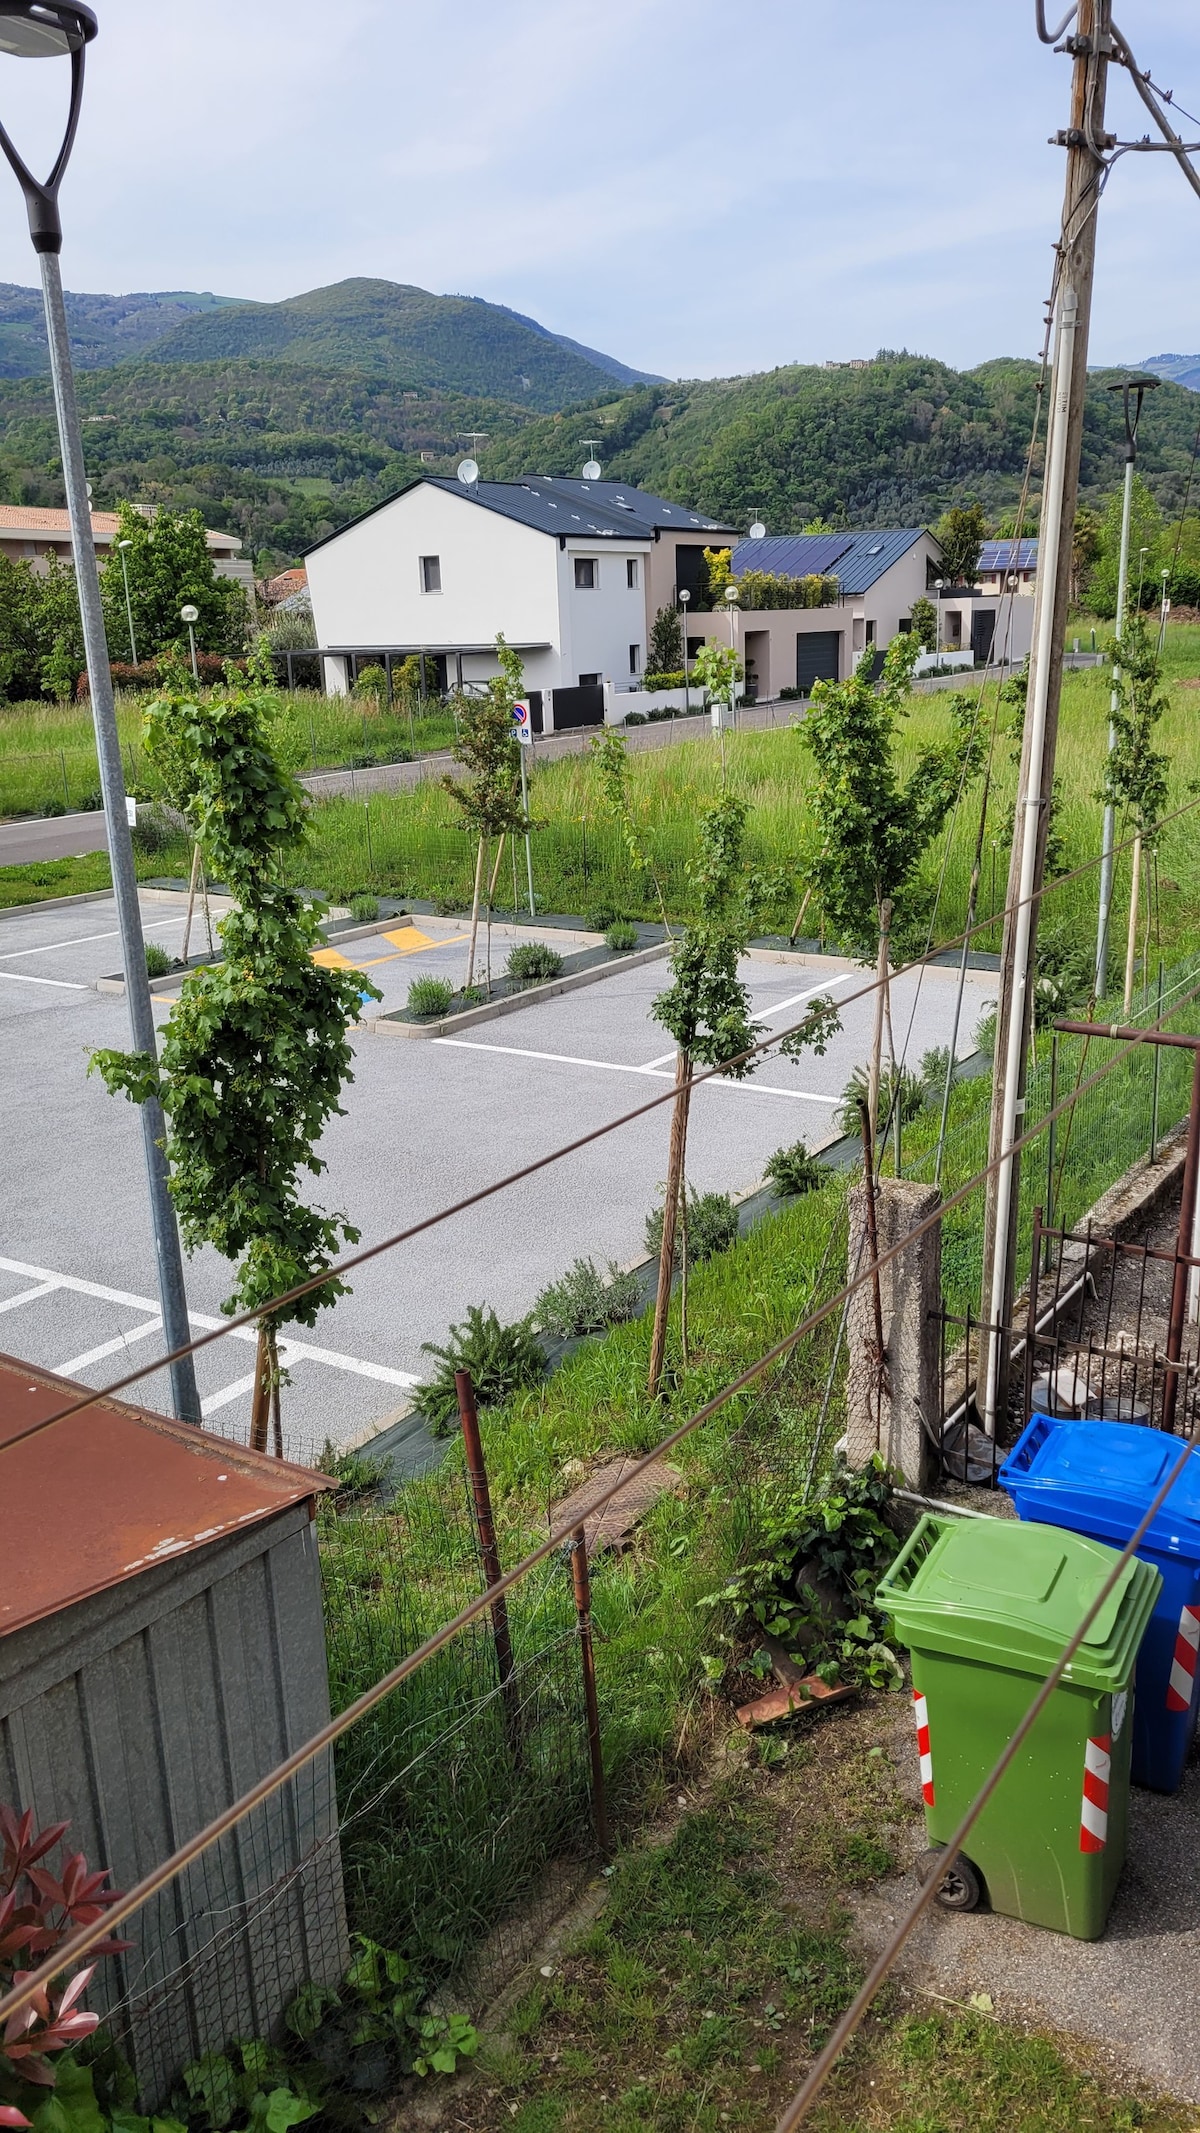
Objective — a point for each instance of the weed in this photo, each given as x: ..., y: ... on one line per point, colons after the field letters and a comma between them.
x: 364, y: 907
x: 712, y: 1226
x: 534, y: 959
x: 158, y: 962
x: 620, y: 937
x: 793, y: 1171
x: 585, y: 1300
x: 501, y: 1359
x: 898, y: 1087
x: 359, y: 1478
x: 428, y: 997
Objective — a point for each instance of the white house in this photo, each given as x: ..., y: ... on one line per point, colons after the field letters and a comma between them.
x: 571, y: 572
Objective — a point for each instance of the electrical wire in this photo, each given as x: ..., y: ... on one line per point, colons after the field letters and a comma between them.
x: 79, y: 1942
x: 276, y: 1304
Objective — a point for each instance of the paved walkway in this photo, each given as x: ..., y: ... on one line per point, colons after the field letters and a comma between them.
x: 52, y: 837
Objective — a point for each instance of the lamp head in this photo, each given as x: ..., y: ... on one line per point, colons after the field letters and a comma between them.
x: 189, y: 613
x: 684, y: 596
x: 45, y: 29
x: 732, y: 594
x: 124, y: 544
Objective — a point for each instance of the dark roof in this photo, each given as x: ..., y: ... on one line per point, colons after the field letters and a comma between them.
x: 546, y: 506
x: 94, y: 1499
x: 998, y: 555
x: 635, y: 507
x: 857, y: 560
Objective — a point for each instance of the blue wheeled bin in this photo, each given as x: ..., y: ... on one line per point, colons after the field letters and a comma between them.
x: 1099, y: 1478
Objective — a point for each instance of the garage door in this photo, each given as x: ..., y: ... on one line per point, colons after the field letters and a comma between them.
x: 816, y: 658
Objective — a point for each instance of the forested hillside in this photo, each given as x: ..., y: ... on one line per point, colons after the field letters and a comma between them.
x: 104, y: 329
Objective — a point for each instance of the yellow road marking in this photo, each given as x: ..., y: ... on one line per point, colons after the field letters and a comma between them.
x: 332, y: 959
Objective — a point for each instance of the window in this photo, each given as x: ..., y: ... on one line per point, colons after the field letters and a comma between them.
x: 589, y: 681
x: 586, y: 574
x: 635, y: 658
x: 870, y: 633
x: 431, y: 573
x: 904, y: 625
x: 631, y: 573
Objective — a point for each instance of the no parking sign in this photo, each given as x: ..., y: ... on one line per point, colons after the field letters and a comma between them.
x: 522, y: 725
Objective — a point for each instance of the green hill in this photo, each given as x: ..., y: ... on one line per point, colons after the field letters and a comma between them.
x: 104, y: 329
x: 440, y: 343
x: 892, y: 444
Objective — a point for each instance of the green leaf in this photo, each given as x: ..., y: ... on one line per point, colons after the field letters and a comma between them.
x: 285, y: 2108
x: 71, y: 2105
x: 213, y: 2082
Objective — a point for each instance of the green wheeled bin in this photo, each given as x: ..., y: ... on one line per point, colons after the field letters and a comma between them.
x: 985, y: 1607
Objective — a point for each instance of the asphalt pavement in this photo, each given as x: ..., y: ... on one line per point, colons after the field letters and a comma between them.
x: 426, y: 1122
x: 52, y: 837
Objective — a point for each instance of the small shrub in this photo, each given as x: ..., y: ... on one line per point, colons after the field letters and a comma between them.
x: 501, y: 1360
x: 585, y: 1300
x: 91, y: 801
x: 371, y: 684
x: 366, y: 759
x: 621, y: 937
x: 790, y: 696
x: 54, y: 807
x: 656, y: 716
x: 635, y: 718
x: 158, y: 962
x: 364, y: 907
x: 534, y: 959
x: 934, y: 1064
x: 601, y: 917
x: 897, y: 1085
x: 793, y: 1171
x: 448, y: 906
x: 712, y: 1226
x: 358, y: 1477
x: 655, y: 682
x: 428, y: 997
x: 151, y: 833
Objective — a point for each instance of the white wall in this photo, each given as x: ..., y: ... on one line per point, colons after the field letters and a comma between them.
x: 599, y: 626
x: 497, y: 575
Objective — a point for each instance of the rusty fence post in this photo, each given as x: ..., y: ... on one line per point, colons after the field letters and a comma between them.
x: 468, y: 1416
x: 587, y: 1656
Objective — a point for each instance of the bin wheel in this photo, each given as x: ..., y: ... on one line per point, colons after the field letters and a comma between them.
x: 960, y: 1889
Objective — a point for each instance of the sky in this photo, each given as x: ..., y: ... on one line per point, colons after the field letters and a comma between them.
x: 701, y: 191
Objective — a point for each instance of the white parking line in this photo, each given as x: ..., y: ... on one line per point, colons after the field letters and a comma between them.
x: 26, y: 1296
x: 798, y: 998
x: 15, y: 955
x: 97, y: 1355
x: 226, y: 1396
x: 300, y: 1351
x: 610, y: 1066
x: 22, y: 977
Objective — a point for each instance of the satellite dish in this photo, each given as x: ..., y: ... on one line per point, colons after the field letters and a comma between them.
x: 591, y: 470
x: 468, y: 472
x: 758, y: 531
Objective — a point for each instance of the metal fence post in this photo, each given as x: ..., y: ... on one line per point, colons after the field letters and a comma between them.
x: 587, y: 1657
x: 1157, y: 1050
x: 1050, y: 1140
x: 468, y: 1416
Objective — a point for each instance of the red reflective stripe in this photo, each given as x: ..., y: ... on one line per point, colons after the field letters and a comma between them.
x: 1093, y: 1815
x: 924, y: 1752
x: 1183, y: 1665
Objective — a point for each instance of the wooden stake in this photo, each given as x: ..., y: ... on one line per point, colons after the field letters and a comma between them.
x: 666, y: 1256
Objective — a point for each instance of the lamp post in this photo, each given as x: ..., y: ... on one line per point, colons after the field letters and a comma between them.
x: 731, y: 608
x: 191, y: 615
x: 122, y: 546
x: 50, y: 29
x: 684, y: 597
x: 939, y: 586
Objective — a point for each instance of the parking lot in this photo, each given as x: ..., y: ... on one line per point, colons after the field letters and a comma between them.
x: 427, y: 1121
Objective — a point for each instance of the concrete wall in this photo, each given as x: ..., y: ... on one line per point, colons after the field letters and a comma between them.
x: 138, y: 1715
x: 771, y: 634
x: 893, y: 1399
x: 599, y: 625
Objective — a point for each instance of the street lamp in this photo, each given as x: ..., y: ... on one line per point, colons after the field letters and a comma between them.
x: 684, y: 597
x: 731, y: 601
x: 49, y: 29
x: 1133, y: 392
x: 122, y: 546
x: 191, y: 615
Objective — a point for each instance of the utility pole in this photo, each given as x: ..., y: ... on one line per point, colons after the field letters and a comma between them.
x: 1086, y: 143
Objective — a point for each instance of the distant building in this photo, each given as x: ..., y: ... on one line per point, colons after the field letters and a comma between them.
x: 287, y: 590
x: 33, y: 533
x: 1007, y: 566
x: 572, y: 572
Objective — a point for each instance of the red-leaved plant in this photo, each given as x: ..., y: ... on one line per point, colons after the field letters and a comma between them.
x: 37, y: 1911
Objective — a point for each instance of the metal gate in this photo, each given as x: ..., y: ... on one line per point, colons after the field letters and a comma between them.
x: 816, y: 658
x: 583, y: 706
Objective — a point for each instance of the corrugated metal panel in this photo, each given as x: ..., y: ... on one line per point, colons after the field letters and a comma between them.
x: 142, y: 1711
x: 94, y: 1499
x: 532, y: 504
x: 635, y: 507
x: 872, y: 554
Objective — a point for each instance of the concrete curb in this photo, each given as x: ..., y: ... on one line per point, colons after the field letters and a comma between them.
x: 56, y: 903
x: 492, y: 1010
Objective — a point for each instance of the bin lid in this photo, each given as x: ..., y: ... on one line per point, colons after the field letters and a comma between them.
x: 1100, y: 1476
x: 1009, y: 1594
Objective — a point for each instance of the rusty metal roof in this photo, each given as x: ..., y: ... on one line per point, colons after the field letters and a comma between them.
x: 109, y: 1492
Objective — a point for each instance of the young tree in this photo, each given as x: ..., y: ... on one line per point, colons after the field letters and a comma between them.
x: 490, y: 805
x: 1135, y: 773
x: 255, y: 1053
x: 925, y: 624
x: 962, y: 532
x: 666, y: 642
x: 718, y: 669
x: 706, y: 1009
x: 1145, y: 533
x: 169, y: 566
x: 873, y: 826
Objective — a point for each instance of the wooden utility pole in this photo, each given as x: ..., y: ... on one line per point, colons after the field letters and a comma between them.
x: 1086, y: 143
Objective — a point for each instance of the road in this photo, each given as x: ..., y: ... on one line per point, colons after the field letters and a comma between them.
x: 426, y: 1122
x: 52, y: 837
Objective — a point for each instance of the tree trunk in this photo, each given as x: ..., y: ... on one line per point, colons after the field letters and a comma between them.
x: 800, y: 913
x: 475, y: 913
x: 191, y: 902
x: 874, y: 1064
x: 666, y: 1256
x: 1131, y: 941
x: 683, y: 1261
x: 266, y: 1378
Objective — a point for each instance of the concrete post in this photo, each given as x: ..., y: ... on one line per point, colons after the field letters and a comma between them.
x: 893, y: 1399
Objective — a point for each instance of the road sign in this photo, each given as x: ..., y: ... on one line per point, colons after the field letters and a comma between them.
x: 522, y: 725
